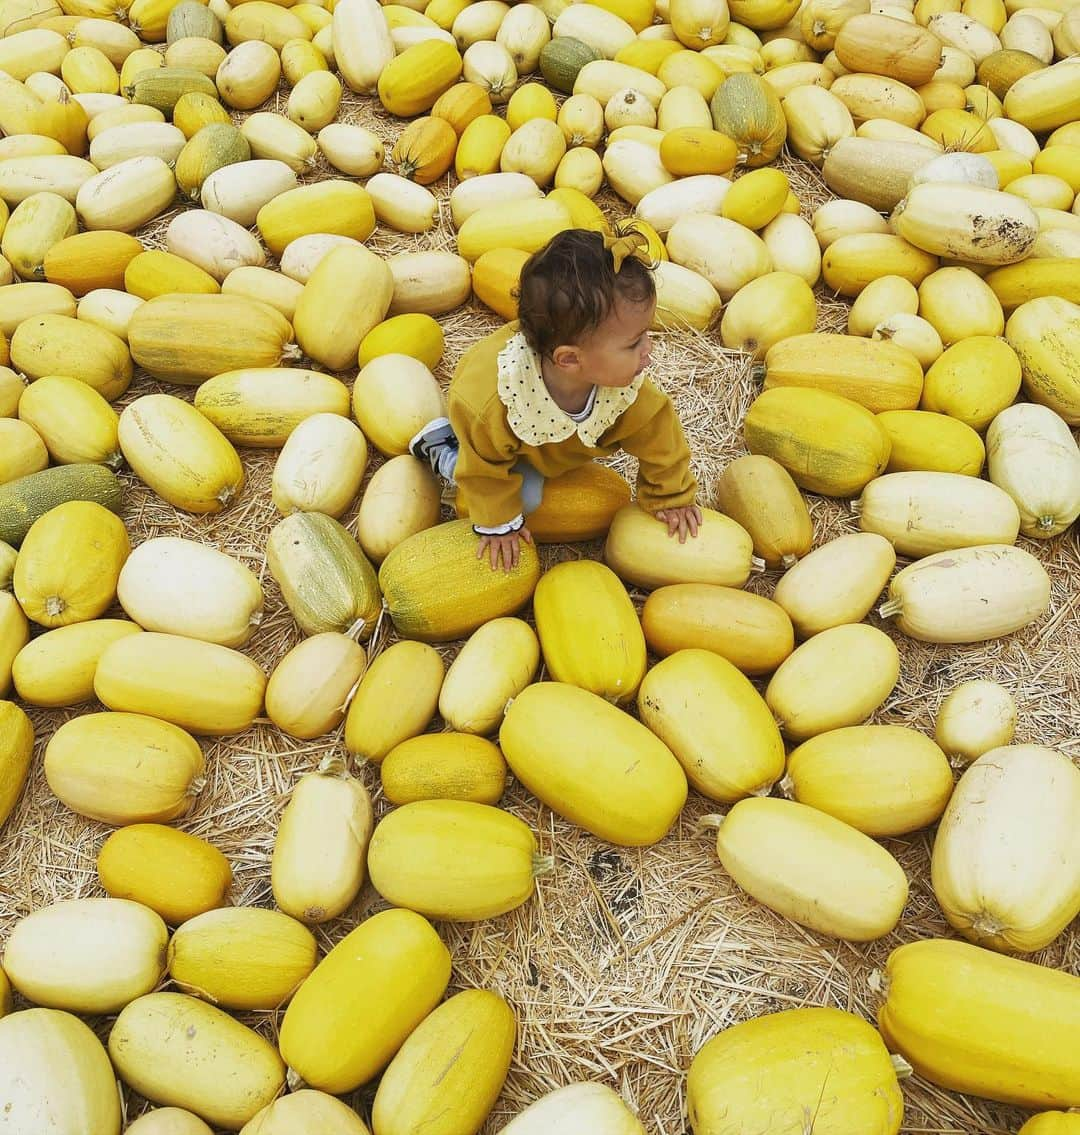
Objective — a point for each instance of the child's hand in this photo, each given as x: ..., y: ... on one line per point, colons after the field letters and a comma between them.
x: 681, y: 520
x: 507, y: 548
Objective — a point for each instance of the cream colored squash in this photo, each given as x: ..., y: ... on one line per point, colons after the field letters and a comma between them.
x: 839, y: 218
x: 633, y: 169
x: 401, y: 499
x: 168, y: 1121
x: 320, y: 467
x: 213, y: 242
x: 306, y: 1110
x: 310, y: 687
x: 393, y: 398
x: 728, y: 255
x: 699, y: 194
x: 974, y: 718
x: 584, y: 1107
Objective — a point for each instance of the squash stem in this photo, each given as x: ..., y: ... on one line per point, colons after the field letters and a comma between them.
x: 856, y: 506
x: 900, y: 1066
x: 333, y: 765
x: 542, y: 865
x: 788, y: 561
x: 356, y: 630
x: 757, y: 564
x: 757, y: 372
x: 711, y: 822
x: 293, y: 1079
x: 892, y: 607
x: 787, y: 787
x: 1046, y: 523
x: 195, y: 787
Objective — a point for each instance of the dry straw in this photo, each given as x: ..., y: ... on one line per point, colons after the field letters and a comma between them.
x: 627, y: 960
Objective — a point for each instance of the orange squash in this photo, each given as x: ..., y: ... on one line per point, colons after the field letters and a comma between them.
x: 425, y: 150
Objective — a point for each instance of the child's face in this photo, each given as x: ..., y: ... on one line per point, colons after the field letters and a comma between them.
x: 615, y: 352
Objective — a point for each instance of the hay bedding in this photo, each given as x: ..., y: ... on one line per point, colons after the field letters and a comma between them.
x: 626, y: 961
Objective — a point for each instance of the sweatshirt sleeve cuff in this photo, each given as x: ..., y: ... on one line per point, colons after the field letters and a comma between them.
x: 514, y: 525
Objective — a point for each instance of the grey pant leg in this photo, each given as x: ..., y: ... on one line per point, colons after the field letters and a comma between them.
x: 532, y: 487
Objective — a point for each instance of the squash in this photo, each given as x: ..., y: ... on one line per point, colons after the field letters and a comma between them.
x: 925, y: 512
x: 214, y: 243
x: 69, y: 563
x: 819, y: 1061
x: 1044, y: 100
x: 297, y: 1109
x: 51, y: 1055
x: 772, y: 307
x: 461, y: 104
x: 179, y: 453
x: 641, y: 553
x: 839, y: 883
x: 57, y: 344
x: 325, y: 579
x: 635, y: 787
x: 875, y: 172
x: 524, y: 35
x: 424, y: 150
x: 973, y: 380
x: 362, y: 44
x: 88, y: 956
x: 124, y: 768
x: 273, y: 137
x: 14, y: 635
x: 702, y: 193
x: 310, y: 687
x: 468, y: 592
x: 997, y: 856
x: 127, y: 195
x: 959, y: 305
x: 16, y: 751
x: 747, y: 109
x: 595, y: 1107
x: 884, y: 780
x: 320, y: 851
x: 974, y: 718
x: 395, y: 700
x: 12, y: 388
x: 444, y: 766
x: 828, y: 444
x: 133, y: 139
x: 816, y: 121
x: 74, y: 422
x: 986, y: 592
x: 973, y: 1021
x: 528, y: 225
x: 851, y: 263
x: 480, y: 146
x: 714, y: 722
x: 225, y: 1074
x: 35, y: 226
x: 1033, y: 457
x: 403, y: 205
x: 881, y: 298
x: 561, y: 61
x: 1051, y: 1123
x: 914, y: 334
x: 24, y: 450
x: 111, y: 310
x: 158, y: 273
x: 57, y: 668
x: 395, y: 396
x: 241, y: 958
x: 320, y: 466
x: 22, y: 501
x: 454, y: 860
x: 169, y: 1120
x: 1045, y: 334
x: 239, y: 190
x: 922, y: 440
x: 589, y: 631
x: 268, y: 287
x: 834, y: 679
x: 414, y: 333
x: 413, y: 81
x: 401, y: 499
x: 428, y: 283
x: 200, y: 686
x: 752, y: 633
x: 473, y: 1035
x: 181, y: 587
x: 373, y: 988
x: 683, y: 299
x: 188, y: 339
x: 351, y: 149
x: 332, y: 206
x: 490, y: 66
x: 175, y: 874
x: 882, y: 45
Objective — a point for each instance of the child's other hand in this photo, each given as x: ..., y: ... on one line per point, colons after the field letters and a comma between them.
x: 684, y: 521
x: 507, y: 548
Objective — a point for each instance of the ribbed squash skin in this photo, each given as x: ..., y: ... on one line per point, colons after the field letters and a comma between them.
x: 633, y: 789
x: 325, y: 578
x: 16, y: 749
x: 640, y: 551
x: 437, y: 590
x: 444, y: 766
x: 124, y: 768
x: 812, y: 868
x: 819, y: 1060
x: 88, y: 956
x: 884, y: 780
x: 759, y: 494
x: 175, y: 874
x: 472, y: 1034
x: 925, y: 441
x: 754, y: 634
x: 69, y: 564
x: 200, y: 686
x: 372, y: 990
x: 996, y: 867
x: 242, y: 957
x: 310, y: 686
x: 974, y: 1021
x: 49, y: 1054
x: 715, y: 723
x: 453, y: 859
x: 320, y: 852
x: 829, y: 444
x: 589, y: 631
x: 747, y: 109
x: 1045, y: 334
x: 225, y: 1073
x: 24, y: 500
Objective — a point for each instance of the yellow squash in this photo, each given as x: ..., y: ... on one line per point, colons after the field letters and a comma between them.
x: 401, y: 499
x: 975, y: 717
x: 320, y: 467
x: 454, y: 860
x: 925, y: 441
x: 593, y: 764
x: 302, y: 1110
x: 16, y: 749
x: 1045, y: 334
x: 371, y: 991
x: 973, y: 1021
x: 444, y: 766
x: 759, y: 494
x: 310, y: 687
x: 393, y: 398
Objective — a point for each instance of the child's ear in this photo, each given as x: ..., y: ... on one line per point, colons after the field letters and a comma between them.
x: 566, y: 356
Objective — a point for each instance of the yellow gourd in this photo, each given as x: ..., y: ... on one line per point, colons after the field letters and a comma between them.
x: 974, y: 718
x: 309, y: 688
x: 760, y: 495
x: 304, y: 1109
x: 444, y: 766
x: 973, y: 381
x: 57, y: 668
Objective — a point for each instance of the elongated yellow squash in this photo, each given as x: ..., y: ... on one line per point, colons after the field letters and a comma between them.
x: 715, y: 722
x: 816, y: 1061
x: 303, y: 1110
x: 811, y: 868
x: 88, y: 956
x: 51, y: 1055
x: 310, y: 687
x: 200, y: 686
x: 589, y: 631
x: 997, y: 864
x: 224, y: 1072
x: 497, y: 662
x: 923, y: 440
x: 885, y: 780
x: 454, y: 860
x: 447, y: 1075
x: 759, y: 494
x: 242, y: 957
x: 16, y: 749
x: 593, y: 764
x: 57, y: 668
x: 372, y: 990
x: 974, y: 1021
x: 444, y: 766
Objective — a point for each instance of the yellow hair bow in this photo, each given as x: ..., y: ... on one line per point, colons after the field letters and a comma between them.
x: 632, y: 245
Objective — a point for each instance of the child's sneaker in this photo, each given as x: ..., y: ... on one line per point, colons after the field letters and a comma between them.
x: 437, y: 444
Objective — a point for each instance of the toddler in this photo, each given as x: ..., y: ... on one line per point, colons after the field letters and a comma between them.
x: 559, y: 387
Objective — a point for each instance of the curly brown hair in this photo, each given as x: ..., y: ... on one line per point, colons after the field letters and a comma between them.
x: 570, y: 287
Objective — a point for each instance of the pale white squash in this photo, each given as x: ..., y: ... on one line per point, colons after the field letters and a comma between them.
x: 320, y: 467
